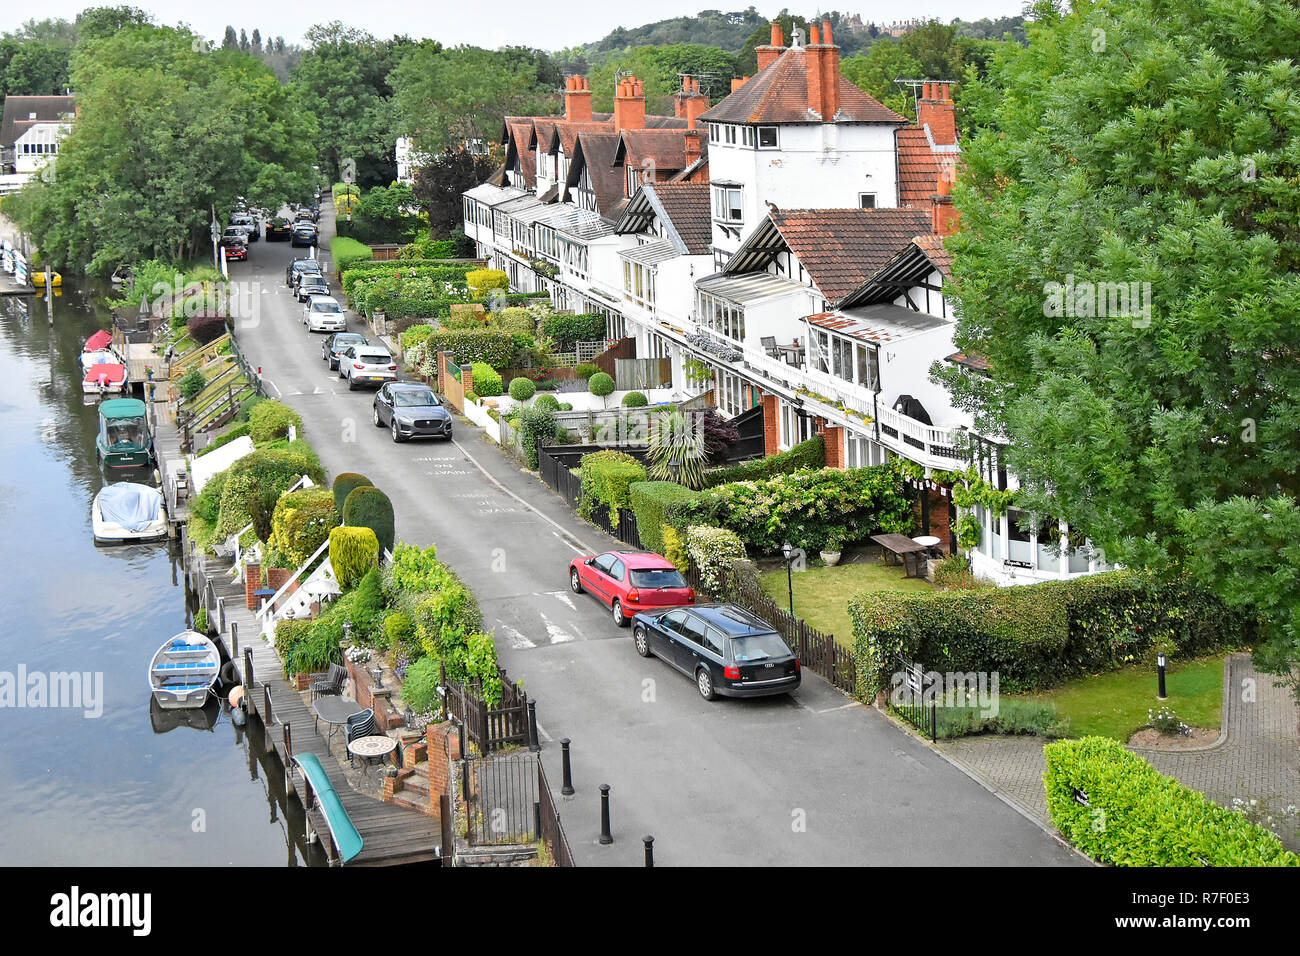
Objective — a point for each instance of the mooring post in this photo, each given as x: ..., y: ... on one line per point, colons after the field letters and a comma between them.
x: 567, y: 786
x: 605, y: 836
x: 234, y: 638
x: 649, y: 842
x: 288, y: 744
x: 533, y: 743
x: 248, y: 670
x: 268, y: 718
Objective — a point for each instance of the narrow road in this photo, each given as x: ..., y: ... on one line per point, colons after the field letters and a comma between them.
x: 808, y: 779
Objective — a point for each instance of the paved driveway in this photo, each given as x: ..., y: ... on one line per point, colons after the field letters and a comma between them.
x: 811, y: 779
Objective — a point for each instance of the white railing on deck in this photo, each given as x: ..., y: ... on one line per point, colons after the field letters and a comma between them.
x: 286, y: 602
x: 932, y: 445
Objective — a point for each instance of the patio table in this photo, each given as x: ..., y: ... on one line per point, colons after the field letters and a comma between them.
x: 334, y: 711
x: 904, y: 549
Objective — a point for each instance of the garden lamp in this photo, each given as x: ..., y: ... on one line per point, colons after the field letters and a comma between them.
x: 1160, y: 676
x: 787, y: 552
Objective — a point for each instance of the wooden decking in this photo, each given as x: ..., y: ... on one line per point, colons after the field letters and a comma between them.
x: 167, y: 451
x: 391, y: 834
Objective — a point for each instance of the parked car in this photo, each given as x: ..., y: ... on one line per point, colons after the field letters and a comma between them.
x: 235, y: 246
x: 278, y: 230
x: 324, y: 314
x: 411, y: 410
x: 298, y: 267
x: 304, y: 234
x: 336, y: 342
x: 628, y: 582
x: 303, y: 215
x: 309, y: 284
x: 726, y: 650
x: 369, y: 364
x: 245, y: 221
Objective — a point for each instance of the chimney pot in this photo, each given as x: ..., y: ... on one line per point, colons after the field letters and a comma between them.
x: 826, y: 32
x: 814, y: 35
x: 944, y: 93
x: 777, y: 38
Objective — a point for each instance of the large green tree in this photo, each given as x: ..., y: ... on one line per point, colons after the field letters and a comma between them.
x: 874, y: 71
x: 1152, y: 142
x: 166, y: 133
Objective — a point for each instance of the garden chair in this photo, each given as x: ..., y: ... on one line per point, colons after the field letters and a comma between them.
x: 358, y: 726
x: 329, y: 684
x: 770, y: 346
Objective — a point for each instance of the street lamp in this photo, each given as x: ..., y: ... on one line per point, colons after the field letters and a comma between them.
x: 788, y: 552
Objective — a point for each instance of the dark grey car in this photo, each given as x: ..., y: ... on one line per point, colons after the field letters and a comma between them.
x: 336, y: 342
x: 411, y: 410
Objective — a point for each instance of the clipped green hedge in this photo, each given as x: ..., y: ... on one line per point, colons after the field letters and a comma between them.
x: 276, y: 465
x: 344, y: 485
x: 513, y: 319
x: 271, y: 420
x: 569, y: 330
x: 650, y: 502
x: 537, y: 426
x: 301, y: 523
x: 353, y: 552
x: 486, y: 380
x: 348, y: 253
x: 1118, y: 809
x: 492, y: 347
x: 606, y: 476
x: 1036, y: 636
x: 368, y: 507
x: 416, y: 314
x: 807, y: 454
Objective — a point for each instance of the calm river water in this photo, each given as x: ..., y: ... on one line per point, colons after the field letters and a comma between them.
x: 122, y: 787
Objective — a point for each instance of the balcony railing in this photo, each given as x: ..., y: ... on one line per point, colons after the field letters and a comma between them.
x: 932, y: 445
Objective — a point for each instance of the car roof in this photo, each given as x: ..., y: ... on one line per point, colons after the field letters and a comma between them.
x: 732, y: 620
x: 320, y: 299
x: 409, y: 386
x: 639, y: 560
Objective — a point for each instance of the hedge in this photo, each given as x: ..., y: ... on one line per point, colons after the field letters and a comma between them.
x: 207, y: 328
x: 536, y: 427
x: 489, y: 346
x: 486, y: 380
x: 1118, y: 809
x: 271, y: 420
x: 606, y: 476
x: 427, y: 248
x: 344, y: 485
x: 650, y: 501
x: 348, y: 253
x: 1036, y: 636
x: 569, y: 330
x: 811, y: 509
x: 274, y: 465
x: 442, y: 608
x: 405, y: 320
x: 368, y: 507
x: 807, y: 454
x: 712, y: 551
x: 367, y: 274
x: 301, y: 523
x: 514, y: 319
x: 353, y: 552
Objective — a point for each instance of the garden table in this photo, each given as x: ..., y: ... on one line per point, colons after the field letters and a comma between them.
x: 368, y: 748
x: 334, y: 711
x: 901, y: 547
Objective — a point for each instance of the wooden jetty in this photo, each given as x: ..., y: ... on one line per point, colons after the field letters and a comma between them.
x: 172, y: 469
x: 391, y: 834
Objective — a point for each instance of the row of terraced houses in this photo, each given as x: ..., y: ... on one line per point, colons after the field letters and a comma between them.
x: 784, y: 249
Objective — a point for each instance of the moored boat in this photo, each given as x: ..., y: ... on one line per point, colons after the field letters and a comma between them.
x: 124, y: 440
x: 127, y: 512
x: 105, y: 378
x: 183, y: 670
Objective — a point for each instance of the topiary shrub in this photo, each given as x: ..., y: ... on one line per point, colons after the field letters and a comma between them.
x: 606, y: 476
x: 353, y: 552
x: 545, y: 401
x: 483, y: 281
x: 635, y: 400
x: 271, y: 420
x: 270, y: 466
x: 1117, y: 808
x: 301, y: 523
x: 344, y: 485
x: 601, y: 385
x: 368, y: 507
x: 191, y: 383
x: 486, y: 381
x: 206, y: 328
x: 585, y: 371
x: 537, y: 427
x: 522, y: 389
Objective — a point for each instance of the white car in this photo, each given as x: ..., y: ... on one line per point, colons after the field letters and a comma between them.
x: 324, y: 314
x: 366, y: 364
x: 246, y: 222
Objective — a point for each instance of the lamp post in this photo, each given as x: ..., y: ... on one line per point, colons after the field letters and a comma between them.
x: 1160, y: 678
x: 787, y: 552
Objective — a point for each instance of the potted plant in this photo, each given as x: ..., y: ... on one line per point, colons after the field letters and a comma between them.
x: 831, y: 552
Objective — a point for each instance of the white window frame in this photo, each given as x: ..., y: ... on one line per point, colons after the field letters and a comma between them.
x: 863, y: 200
x: 776, y: 137
x: 723, y: 207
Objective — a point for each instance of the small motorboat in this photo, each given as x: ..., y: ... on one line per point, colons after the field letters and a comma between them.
x: 183, y: 671
x: 121, y: 275
x: 124, y: 440
x: 106, y: 378
x: 38, y: 279
x: 127, y: 512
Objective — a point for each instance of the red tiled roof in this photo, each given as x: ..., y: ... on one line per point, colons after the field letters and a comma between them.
x: 686, y: 205
x: 521, y: 132
x: 918, y: 168
x: 779, y: 94
x: 840, y: 248
x: 932, y: 246
x: 664, y: 148
x: 595, y: 150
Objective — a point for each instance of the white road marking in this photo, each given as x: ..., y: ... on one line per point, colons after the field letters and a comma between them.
x: 516, y: 639
x: 270, y: 384
x: 563, y: 598
x: 831, y: 710
x: 557, y: 634
x: 541, y: 732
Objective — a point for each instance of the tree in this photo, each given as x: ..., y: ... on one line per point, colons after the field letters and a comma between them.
x: 875, y: 70
x: 440, y: 183
x: 1166, y: 427
x: 231, y: 39
x: 256, y: 42
x: 96, y: 23
x: 36, y: 69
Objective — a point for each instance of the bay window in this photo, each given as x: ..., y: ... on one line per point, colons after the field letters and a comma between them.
x: 727, y: 203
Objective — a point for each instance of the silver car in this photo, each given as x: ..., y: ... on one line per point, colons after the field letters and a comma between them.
x: 324, y: 314
x: 366, y: 365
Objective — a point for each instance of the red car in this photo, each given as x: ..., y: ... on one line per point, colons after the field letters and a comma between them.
x: 235, y: 249
x: 630, y: 581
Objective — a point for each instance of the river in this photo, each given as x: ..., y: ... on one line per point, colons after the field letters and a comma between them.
x: 111, y: 788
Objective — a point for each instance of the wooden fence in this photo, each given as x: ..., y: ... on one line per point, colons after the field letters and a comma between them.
x: 488, y: 728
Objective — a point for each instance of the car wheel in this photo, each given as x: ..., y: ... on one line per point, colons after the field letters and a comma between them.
x: 352, y: 384
x: 704, y: 683
x: 575, y: 582
x: 641, y: 641
x: 397, y: 436
x: 620, y: 619
x: 374, y: 412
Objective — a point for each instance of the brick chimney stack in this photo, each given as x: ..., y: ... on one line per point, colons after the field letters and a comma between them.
x: 935, y: 109
x: 737, y: 82
x: 768, y: 54
x: 629, y: 105
x: 822, y: 62
x: 944, y: 218
x: 577, y: 100
x: 689, y: 102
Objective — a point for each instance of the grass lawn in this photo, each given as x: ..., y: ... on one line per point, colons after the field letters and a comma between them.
x: 821, y: 595
x: 1115, y: 704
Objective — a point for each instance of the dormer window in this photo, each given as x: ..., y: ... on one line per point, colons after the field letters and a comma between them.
x: 727, y: 204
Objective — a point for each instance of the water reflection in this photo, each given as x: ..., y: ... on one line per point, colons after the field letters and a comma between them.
x: 123, y: 788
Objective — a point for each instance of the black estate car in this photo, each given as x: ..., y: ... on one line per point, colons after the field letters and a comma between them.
x: 727, y: 650
x: 299, y: 266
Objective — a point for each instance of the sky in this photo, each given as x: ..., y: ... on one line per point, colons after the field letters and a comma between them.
x: 505, y: 22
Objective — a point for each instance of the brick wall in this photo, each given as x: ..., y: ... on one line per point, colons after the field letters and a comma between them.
x: 444, y: 745
x: 771, y: 425
x: 833, y: 436
x: 364, y: 693
x: 940, y: 520
x: 252, y: 581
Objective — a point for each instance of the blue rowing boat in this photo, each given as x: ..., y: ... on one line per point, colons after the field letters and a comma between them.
x: 183, y: 670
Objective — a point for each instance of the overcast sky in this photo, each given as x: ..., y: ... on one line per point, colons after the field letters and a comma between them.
x: 491, y: 25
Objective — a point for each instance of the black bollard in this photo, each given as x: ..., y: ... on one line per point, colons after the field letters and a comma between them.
x: 605, y: 836
x: 1160, y: 680
x: 649, y: 842
x: 533, y: 744
x: 567, y: 786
